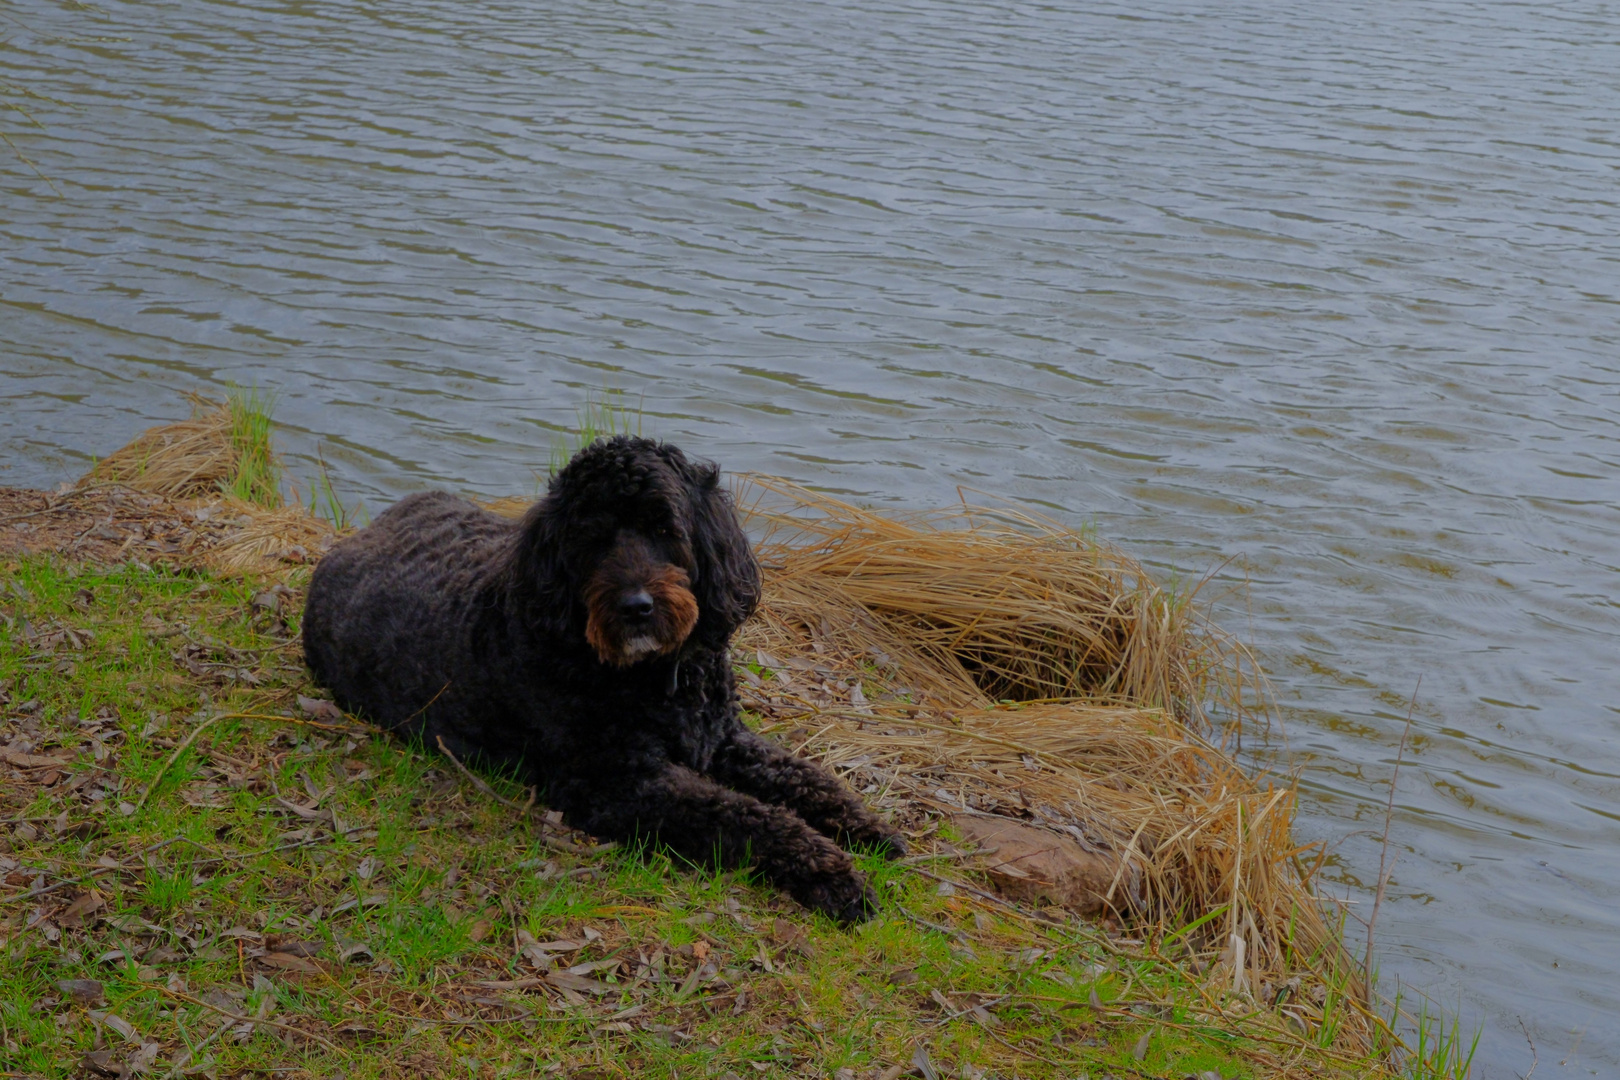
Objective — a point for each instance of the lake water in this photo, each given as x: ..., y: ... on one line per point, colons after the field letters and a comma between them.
x: 1328, y: 289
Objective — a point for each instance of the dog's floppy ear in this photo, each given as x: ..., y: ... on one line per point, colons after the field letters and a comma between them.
x: 726, y: 578
x: 540, y: 573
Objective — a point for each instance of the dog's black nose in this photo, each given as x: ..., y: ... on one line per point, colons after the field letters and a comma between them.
x: 636, y: 605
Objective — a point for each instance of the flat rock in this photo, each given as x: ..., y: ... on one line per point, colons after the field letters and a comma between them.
x: 1031, y: 864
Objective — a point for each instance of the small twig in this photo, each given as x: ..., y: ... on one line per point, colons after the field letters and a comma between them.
x: 341, y: 729
x: 240, y: 1019
x: 920, y: 921
x: 477, y: 781
x: 97, y: 872
x: 511, y: 915
x: 429, y: 705
x: 1222, y: 1021
x: 27, y: 161
x: 189, y: 739
x: 1030, y: 1053
x: 1534, y: 1057
x: 431, y: 1020
x: 1579, y: 1035
x: 187, y: 1057
x: 50, y: 508
x: 1383, y: 855
x: 100, y: 870
x: 229, y: 716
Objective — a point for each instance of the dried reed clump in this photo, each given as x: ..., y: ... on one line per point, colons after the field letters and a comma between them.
x: 223, y: 449
x: 267, y: 540
x: 994, y: 606
x: 220, y: 462
x: 986, y: 661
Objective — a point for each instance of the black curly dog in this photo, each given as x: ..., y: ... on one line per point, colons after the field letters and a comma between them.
x: 585, y: 649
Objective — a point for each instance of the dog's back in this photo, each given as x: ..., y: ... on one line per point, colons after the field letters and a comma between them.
x: 391, y: 608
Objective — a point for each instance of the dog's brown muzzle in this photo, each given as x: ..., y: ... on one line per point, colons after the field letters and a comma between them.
x: 637, y: 605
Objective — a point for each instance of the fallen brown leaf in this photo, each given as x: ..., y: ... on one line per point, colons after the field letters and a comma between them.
x: 84, y: 991
x: 75, y: 912
x: 508, y: 984
x: 565, y: 981
x: 24, y: 760
x: 117, y: 1023
x: 297, y: 948
x: 288, y: 962
x: 320, y: 709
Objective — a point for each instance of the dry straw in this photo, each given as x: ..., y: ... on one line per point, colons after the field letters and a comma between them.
x: 990, y: 661
x: 223, y: 449
x: 270, y: 539
x: 220, y: 462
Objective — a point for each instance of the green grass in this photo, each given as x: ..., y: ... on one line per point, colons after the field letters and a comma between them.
x: 257, y: 478
x: 377, y: 905
x: 602, y: 416
x: 327, y: 505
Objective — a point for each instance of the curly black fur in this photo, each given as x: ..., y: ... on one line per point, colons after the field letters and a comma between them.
x: 585, y: 649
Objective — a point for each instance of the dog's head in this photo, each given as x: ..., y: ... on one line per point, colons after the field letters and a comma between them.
x: 639, y: 551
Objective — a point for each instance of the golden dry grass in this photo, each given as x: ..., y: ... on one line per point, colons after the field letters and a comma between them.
x: 269, y: 539
x: 219, y: 461
x: 991, y: 661
x: 221, y: 447
x: 998, y: 605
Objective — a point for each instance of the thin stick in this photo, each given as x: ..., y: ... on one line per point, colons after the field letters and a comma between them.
x: 936, y: 927
x: 1383, y: 855
x: 187, y: 1057
x: 1030, y: 1053
x: 238, y: 1018
x: 32, y: 513
x: 476, y: 780
x: 357, y: 730
x: 189, y: 739
x: 1535, y: 1058
x: 1222, y: 1023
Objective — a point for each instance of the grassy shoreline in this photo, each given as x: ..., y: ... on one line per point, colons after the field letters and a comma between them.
x: 205, y: 872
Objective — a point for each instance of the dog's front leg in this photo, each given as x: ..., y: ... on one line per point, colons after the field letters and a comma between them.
x: 706, y: 822
x: 763, y: 769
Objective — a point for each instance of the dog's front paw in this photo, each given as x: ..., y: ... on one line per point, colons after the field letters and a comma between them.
x: 847, y: 899
x: 880, y: 838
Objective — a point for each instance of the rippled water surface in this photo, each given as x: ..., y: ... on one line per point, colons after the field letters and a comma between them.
x: 1330, y: 288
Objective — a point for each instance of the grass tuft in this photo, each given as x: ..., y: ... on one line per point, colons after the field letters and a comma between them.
x: 325, y: 504
x: 601, y: 417
x: 224, y: 448
x: 256, y: 476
